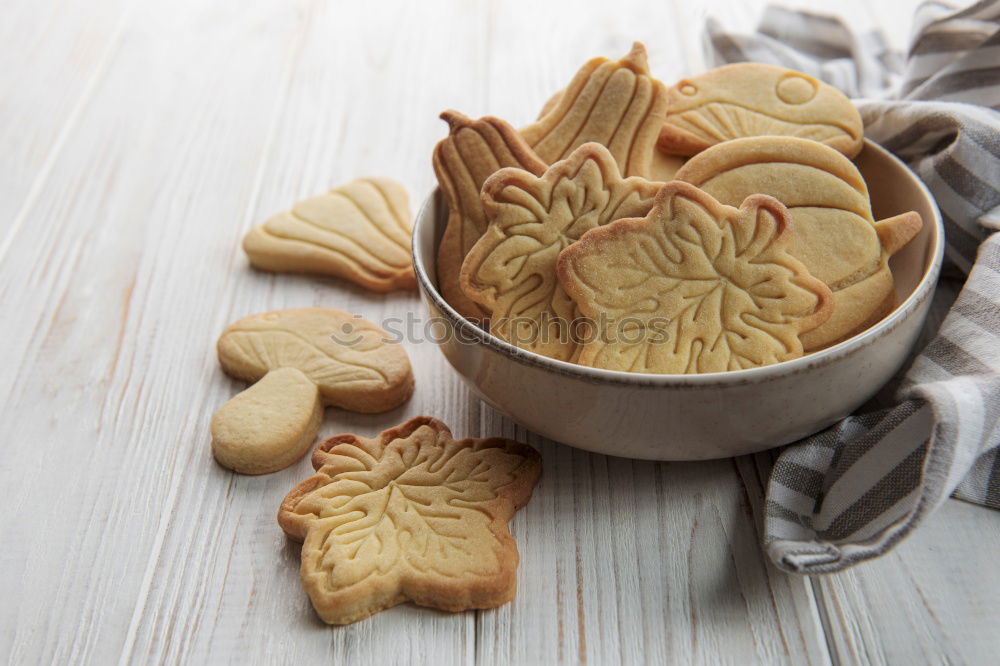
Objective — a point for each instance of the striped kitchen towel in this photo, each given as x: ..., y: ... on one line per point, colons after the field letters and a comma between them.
x: 852, y: 492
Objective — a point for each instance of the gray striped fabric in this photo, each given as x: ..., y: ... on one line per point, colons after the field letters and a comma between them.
x: 852, y: 492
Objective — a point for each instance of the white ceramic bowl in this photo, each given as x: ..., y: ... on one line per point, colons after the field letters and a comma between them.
x: 695, y: 417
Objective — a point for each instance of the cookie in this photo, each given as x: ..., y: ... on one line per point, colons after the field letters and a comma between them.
x: 550, y: 104
x: 664, y: 167
x: 616, y: 103
x: 268, y: 426
x: 835, y: 234
x: 412, y: 515
x: 753, y: 99
x: 473, y: 151
x: 359, y: 231
x: 693, y: 287
x: 511, y: 269
x: 299, y: 361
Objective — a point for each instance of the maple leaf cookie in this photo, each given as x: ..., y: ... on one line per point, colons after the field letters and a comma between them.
x: 410, y: 515
x: 511, y: 270
x: 836, y: 235
x: 693, y: 287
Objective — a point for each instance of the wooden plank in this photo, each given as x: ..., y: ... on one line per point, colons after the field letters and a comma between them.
x: 224, y: 575
x: 638, y: 562
x: 55, y: 54
x: 103, y: 285
x: 932, y: 600
x: 122, y: 283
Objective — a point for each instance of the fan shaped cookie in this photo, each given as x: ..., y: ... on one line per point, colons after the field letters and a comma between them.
x: 754, y: 99
x: 693, y: 287
x: 511, y: 269
x: 410, y: 515
x: 300, y: 360
x: 835, y: 236
x: 473, y: 151
x: 359, y: 231
x: 616, y: 103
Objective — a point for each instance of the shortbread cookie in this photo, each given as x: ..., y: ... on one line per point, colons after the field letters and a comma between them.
x: 615, y: 103
x: 550, y: 104
x: 359, y: 231
x: 664, y: 167
x: 411, y: 515
x: 300, y: 360
x: 511, y: 270
x: 270, y: 425
x: 693, y: 287
x: 835, y: 235
x: 473, y: 151
x: 753, y: 99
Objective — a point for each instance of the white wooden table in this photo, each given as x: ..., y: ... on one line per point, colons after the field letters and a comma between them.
x: 139, y: 140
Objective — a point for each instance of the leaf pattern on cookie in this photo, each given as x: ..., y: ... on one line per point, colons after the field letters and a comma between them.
x: 615, y: 103
x: 836, y: 235
x: 411, y: 515
x: 511, y: 270
x: 359, y: 231
x: 755, y: 99
x: 693, y: 287
x: 473, y: 151
x: 349, y: 358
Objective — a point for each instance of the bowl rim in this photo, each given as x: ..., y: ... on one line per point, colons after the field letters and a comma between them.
x: 470, y: 331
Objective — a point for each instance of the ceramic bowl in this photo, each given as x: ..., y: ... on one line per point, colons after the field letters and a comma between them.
x: 696, y: 417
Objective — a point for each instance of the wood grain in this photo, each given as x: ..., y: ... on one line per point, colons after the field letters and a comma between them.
x: 929, y: 601
x: 140, y: 141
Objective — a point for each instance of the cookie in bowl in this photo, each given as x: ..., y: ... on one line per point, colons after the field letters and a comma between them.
x: 699, y: 416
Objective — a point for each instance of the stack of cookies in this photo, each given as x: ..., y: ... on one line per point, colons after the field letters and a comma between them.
x: 579, y: 238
